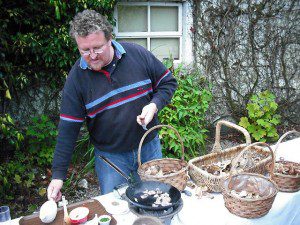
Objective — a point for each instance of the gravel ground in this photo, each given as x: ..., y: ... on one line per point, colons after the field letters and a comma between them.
x: 84, y: 194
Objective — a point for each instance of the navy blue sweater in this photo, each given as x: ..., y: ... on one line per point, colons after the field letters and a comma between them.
x: 109, y: 101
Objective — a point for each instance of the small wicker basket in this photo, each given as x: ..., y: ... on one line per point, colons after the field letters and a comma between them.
x: 213, y: 182
x: 174, y: 170
x: 244, y: 207
x: 285, y: 182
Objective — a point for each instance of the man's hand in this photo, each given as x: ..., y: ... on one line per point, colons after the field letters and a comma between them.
x: 147, y: 114
x: 53, y: 191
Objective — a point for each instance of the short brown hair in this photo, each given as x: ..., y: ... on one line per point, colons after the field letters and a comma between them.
x: 89, y: 21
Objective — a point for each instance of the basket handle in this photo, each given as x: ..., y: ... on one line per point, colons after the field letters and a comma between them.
x: 154, y: 128
x: 235, y: 161
x: 282, y: 137
x: 217, y: 145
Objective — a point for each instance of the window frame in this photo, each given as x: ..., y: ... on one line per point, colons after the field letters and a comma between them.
x: 148, y: 34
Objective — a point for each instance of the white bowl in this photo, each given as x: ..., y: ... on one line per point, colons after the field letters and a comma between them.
x: 79, y: 215
x: 106, y: 222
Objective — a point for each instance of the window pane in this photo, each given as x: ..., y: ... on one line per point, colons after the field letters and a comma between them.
x: 164, y: 18
x: 165, y: 47
x: 132, y: 18
x: 139, y: 41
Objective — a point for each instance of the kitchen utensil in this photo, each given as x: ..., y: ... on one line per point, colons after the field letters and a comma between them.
x: 136, y: 189
x: 66, y: 214
x: 93, y: 205
x: 48, y: 211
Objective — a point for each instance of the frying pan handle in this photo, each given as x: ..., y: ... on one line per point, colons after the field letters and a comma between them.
x: 114, y: 167
x: 156, y: 127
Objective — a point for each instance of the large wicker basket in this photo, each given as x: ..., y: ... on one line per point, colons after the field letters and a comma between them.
x: 285, y: 182
x: 213, y: 182
x: 175, y: 171
x: 244, y: 207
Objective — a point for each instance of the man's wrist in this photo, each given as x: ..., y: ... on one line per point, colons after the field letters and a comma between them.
x: 154, y: 106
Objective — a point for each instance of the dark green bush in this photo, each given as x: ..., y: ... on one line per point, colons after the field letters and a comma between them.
x: 41, y: 135
x: 35, y: 47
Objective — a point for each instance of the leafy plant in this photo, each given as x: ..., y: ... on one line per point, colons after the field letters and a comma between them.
x: 41, y: 136
x: 15, y: 177
x: 9, y: 134
x: 262, y: 118
x: 186, y: 113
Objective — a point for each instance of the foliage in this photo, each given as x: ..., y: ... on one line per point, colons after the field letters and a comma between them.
x: 41, y: 135
x: 9, y: 133
x: 16, y: 177
x: 23, y: 174
x: 243, y: 51
x: 186, y: 114
x: 263, y: 119
x: 37, y: 50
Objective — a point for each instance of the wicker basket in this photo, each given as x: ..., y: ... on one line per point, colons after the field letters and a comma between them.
x: 178, y: 178
x: 213, y: 182
x: 285, y: 182
x: 244, y: 207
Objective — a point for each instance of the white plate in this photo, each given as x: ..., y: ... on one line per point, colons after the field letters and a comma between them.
x: 117, y: 206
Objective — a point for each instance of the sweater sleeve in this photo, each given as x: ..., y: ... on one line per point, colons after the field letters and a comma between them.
x: 71, y: 118
x: 164, y: 83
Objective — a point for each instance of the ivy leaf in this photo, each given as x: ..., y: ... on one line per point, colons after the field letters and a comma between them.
x: 275, y: 120
x: 7, y: 94
x: 42, y: 191
x: 261, y: 122
x: 256, y: 136
x: 252, y: 128
x: 244, y: 122
x: 273, y: 105
x: 17, y: 179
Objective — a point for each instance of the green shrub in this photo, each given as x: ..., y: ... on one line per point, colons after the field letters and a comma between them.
x: 262, y: 118
x: 41, y: 135
x: 16, y: 177
x: 9, y: 134
x: 186, y: 113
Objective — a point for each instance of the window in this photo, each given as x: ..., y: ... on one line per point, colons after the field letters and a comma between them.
x: 156, y: 26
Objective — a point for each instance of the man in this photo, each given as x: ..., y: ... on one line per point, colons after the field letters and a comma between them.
x: 117, y: 88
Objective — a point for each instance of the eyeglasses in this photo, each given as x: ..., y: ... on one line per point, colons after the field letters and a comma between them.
x: 95, y: 50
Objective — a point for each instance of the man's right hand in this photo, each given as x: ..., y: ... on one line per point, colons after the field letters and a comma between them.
x: 53, y: 191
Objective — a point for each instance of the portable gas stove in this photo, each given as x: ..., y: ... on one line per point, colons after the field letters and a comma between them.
x: 164, y: 215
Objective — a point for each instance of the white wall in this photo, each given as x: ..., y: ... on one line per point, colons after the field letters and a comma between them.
x: 187, y: 23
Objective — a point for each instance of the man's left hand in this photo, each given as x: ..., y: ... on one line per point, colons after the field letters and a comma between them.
x: 147, y: 114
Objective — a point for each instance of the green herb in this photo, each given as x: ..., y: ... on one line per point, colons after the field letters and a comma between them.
x: 105, y: 219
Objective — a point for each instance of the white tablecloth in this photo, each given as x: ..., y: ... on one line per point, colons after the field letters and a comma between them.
x: 285, y: 209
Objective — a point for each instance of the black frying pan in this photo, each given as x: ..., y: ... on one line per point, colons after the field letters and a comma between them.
x: 135, y: 191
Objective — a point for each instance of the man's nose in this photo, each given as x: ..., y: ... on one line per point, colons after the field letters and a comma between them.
x: 93, y: 55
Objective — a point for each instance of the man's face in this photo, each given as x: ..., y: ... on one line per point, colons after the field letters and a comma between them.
x: 95, y: 49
